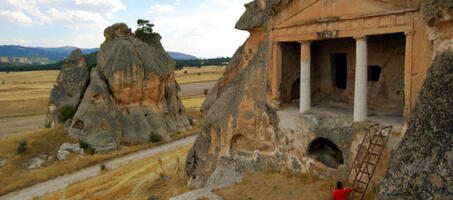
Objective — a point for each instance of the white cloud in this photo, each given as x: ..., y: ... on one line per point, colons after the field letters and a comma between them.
x: 68, y: 13
x: 160, y: 8
x: 16, y: 17
x: 207, y: 33
x: 14, y: 41
x: 76, y: 19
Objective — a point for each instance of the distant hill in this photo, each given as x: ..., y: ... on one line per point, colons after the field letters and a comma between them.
x: 60, y: 53
x: 181, y: 56
x: 54, y: 54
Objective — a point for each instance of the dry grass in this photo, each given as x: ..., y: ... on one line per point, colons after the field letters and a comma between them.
x: 27, y: 93
x: 15, y: 175
x: 276, y: 185
x: 20, y: 108
x: 161, y: 176
x: 194, y: 74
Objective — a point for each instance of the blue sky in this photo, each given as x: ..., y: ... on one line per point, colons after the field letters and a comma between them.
x: 203, y: 28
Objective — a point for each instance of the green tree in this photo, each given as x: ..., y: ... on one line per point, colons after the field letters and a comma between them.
x: 145, y: 30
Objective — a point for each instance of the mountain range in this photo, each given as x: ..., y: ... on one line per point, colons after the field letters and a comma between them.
x: 60, y: 53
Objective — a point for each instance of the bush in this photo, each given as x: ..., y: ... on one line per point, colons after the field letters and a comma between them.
x: 66, y: 112
x: 205, y: 91
x: 47, y: 125
x: 155, y: 137
x: 103, y: 167
x: 22, y: 147
x: 190, y: 121
x: 185, y: 72
x: 83, y: 144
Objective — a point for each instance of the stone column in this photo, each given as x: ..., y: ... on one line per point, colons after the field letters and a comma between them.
x: 361, y: 80
x: 305, y: 90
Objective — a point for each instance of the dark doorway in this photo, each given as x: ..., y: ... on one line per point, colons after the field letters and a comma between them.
x: 339, y: 70
x: 295, y: 89
x: 326, y: 152
x: 374, y: 72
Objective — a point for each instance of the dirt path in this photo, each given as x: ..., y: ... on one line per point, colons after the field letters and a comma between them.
x: 63, y: 181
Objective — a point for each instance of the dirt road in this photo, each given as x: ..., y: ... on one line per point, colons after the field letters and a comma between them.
x: 12, y: 125
x: 63, y: 181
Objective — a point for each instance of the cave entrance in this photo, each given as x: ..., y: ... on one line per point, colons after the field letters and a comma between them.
x: 339, y: 70
x: 326, y: 152
x: 295, y: 89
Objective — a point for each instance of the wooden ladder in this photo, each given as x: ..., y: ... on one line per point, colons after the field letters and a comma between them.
x: 367, y: 158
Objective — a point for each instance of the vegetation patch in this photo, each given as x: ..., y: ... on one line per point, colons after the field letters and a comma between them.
x: 155, y: 136
x: 65, y: 113
x: 22, y: 147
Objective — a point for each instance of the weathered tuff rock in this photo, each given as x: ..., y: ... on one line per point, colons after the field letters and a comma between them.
x: 422, y: 166
x: 71, y: 83
x: 242, y: 90
x: 250, y: 134
x: 132, y: 92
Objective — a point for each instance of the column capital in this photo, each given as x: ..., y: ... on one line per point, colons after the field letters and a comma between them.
x: 305, y: 41
x: 360, y: 37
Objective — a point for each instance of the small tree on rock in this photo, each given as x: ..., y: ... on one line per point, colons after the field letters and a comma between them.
x: 145, y: 31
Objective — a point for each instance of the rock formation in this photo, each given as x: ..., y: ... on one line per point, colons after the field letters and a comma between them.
x: 71, y: 83
x: 253, y: 133
x: 132, y: 92
x: 422, y: 166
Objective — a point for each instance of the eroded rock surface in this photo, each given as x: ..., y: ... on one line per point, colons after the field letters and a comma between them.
x: 71, y: 83
x: 422, y: 166
x: 132, y: 92
x: 247, y: 126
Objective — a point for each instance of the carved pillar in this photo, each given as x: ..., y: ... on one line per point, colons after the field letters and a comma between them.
x: 305, y: 90
x: 361, y: 80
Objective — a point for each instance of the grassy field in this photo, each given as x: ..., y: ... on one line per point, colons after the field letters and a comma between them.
x: 14, y: 175
x: 26, y: 94
x: 161, y: 175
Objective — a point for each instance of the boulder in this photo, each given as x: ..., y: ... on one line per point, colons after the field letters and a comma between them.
x: 422, y: 166
x: 71, y: 83
x: 72, y: 147
x: 36, y: 163
x: 2, y: 162
x: 63, y: 154
x: 132, y: 93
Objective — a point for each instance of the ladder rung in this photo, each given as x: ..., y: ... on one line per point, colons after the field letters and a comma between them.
x: 362, y: 182
x: 374, y: 154
x: 370, y: 163
x: 367, y: 173
x: 379, y: 145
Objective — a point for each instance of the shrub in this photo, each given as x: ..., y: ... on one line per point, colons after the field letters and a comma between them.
x: 185, y: 72
x: 47, y: 125
x: 22, y: 147
x: 205, y: 91
x: 103, y: 167
x: 83, y: 144
x: 155, y: 137
x: 66, y: 112
x: 190, y: 121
